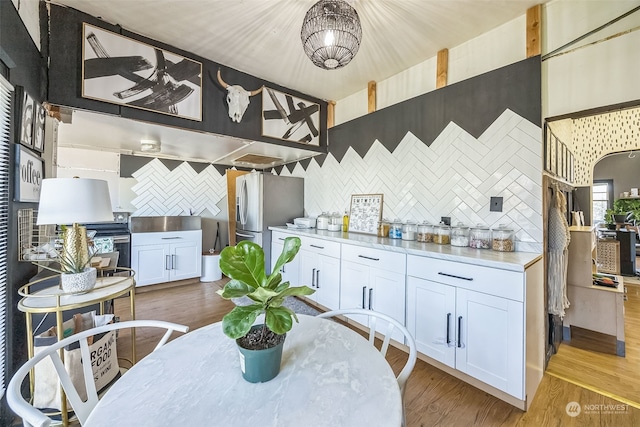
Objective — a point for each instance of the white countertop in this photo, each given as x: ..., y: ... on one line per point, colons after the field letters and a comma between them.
x: 514, y: 261
x: 330, y: 376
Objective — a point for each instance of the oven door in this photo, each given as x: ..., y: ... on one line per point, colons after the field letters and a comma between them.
x: 122, y: 244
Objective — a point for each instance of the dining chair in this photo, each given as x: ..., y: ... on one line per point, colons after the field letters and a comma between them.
x: 31, y: 416
x: 384, y: 326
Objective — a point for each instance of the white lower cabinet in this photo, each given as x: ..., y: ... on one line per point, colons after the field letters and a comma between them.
x: 375, y: 280
x: 166, y: 256
x: 476, y: 331
x: 320, y: 270
x: 290, y: 271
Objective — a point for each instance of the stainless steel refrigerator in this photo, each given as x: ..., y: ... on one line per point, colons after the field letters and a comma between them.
x: 264, y: 200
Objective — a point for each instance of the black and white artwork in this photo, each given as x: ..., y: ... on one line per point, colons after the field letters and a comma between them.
x: 124, y: 71
x: 26, y: 120
x: 38, y: 128
x: 365, y: 213
x: 289, y: 118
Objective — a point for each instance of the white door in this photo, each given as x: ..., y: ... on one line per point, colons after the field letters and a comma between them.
x: 151, y: 263
x: 431, y: 318
x: 491, y: 334
x: 388, y: 296
x: 354, y: 288
x: 288, y: 271
x: 308, y: 267
x: 328, y: 282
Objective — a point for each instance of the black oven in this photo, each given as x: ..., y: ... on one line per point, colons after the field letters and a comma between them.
x: 119, y: 231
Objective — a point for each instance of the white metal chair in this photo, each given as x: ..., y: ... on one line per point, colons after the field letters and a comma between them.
x: 30, y: 415
x: 385, y: 328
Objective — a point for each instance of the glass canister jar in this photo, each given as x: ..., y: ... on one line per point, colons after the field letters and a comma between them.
x: 503, y: 239
x: 409, y: 230
x: 383, y: 228
x: 335, y: 222
x: 425, y: 232
x: 442, y: 234
x: 460, y: 235
x: 322, y: 222
x: 395, y: 229
x: 480, y: 237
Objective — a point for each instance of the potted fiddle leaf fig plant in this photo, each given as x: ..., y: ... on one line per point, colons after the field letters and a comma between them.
x: 260, y: 345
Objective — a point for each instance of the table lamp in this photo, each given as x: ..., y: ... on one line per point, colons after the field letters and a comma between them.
x: 65, y: 201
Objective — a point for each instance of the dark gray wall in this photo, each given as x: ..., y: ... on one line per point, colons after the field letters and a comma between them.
x: 624, y: 171
x: 22, y: 65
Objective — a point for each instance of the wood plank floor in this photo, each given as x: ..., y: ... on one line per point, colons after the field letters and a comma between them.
x: 433, y: 398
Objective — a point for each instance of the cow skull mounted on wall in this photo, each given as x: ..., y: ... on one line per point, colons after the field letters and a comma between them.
x: 237, y: 98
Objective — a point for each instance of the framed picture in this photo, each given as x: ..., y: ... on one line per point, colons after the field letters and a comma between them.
x: 29, y: 177
x: 26, y: 119
x: 38, y: 127
x: 289, y: 118
x: 124, y: 71
x: 365, y: 213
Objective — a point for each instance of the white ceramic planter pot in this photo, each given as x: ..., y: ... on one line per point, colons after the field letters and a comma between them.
x: 79, y: 282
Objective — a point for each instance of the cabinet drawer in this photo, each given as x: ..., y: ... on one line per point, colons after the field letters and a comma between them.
x: 492, y: 281
x: 377, y: 258
x: 319, y: 246
x: 279, y: 235
x: 165, y: 237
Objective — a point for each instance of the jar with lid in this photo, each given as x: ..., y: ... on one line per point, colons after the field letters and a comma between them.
x: 460, y: 235
x: 502, y: 239
x: 442, y: 234
x: 322, y: 222
x: 425, y: 231
x: 409, y: 230
x: 395, y: 229
x: 383, y: 228
x: 480, y: 237
x: 335, y: 222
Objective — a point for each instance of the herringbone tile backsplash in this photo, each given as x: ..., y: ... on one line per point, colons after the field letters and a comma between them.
x: 456, y: 176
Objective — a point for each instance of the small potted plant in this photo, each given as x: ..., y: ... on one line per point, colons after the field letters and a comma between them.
x: 260, y: 345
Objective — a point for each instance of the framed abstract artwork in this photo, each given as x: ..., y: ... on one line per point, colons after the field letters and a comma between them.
x: 26, y: 117
x: 38, y: 127
x: 124, y: 71
x: 289, y: 118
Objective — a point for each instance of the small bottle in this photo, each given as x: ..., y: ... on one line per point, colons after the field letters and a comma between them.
x: 345, y: 222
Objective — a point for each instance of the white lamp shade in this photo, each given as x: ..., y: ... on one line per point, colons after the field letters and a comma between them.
x: 74, y: 200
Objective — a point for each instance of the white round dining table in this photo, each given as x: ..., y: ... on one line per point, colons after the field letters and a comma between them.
x: 330, y: 376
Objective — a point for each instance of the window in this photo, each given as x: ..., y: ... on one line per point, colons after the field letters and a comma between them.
x: 6, y: 92
x: 602, y: 193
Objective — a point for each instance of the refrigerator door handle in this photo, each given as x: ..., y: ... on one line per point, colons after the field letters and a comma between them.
x: 244, y: 199
x: 248, y: 236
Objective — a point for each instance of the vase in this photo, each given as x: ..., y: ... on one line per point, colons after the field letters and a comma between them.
x: 260, y: 366
x: 79, y: 282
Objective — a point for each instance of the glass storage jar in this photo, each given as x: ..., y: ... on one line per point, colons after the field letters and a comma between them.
x: 502, y: 239
x: 322, y: 222
x: 383, y: 228
x: 409, y: 230
x: 395, y: 229
x: 460, y: 235
x: 442, y: 234
x: 335, y: 222
x: 480, y: 237
x: 425, y: 232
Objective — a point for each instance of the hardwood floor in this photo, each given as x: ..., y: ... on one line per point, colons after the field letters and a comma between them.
x: 433, y: 398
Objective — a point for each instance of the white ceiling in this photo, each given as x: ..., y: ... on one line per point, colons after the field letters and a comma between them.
x: 262, y: 38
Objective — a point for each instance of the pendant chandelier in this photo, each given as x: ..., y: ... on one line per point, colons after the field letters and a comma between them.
x: 331, y: 34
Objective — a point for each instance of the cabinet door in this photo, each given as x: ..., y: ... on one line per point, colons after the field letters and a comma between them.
x: 151, y: 264
x: 491, y: 340
x: 354, y: 288
x: 289, y: 271
x: 431, y: 318
x: 328, y: 282
x: 186, y: 260
x: 308, y: 267
x: 388, y: 296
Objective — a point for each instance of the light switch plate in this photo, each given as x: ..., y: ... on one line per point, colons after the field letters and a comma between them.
x: 496, y: 204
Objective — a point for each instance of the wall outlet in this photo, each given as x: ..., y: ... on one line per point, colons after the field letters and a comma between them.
x: 446, y: 219
x: 496, y: 204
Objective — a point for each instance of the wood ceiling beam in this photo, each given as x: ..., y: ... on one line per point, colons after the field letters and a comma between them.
x: 331, y: 114
x: 442, y: 68
x: 534, y: 31
x: 371, y: 95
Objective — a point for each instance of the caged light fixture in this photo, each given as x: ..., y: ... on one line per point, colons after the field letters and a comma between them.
x: 331, y: 34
